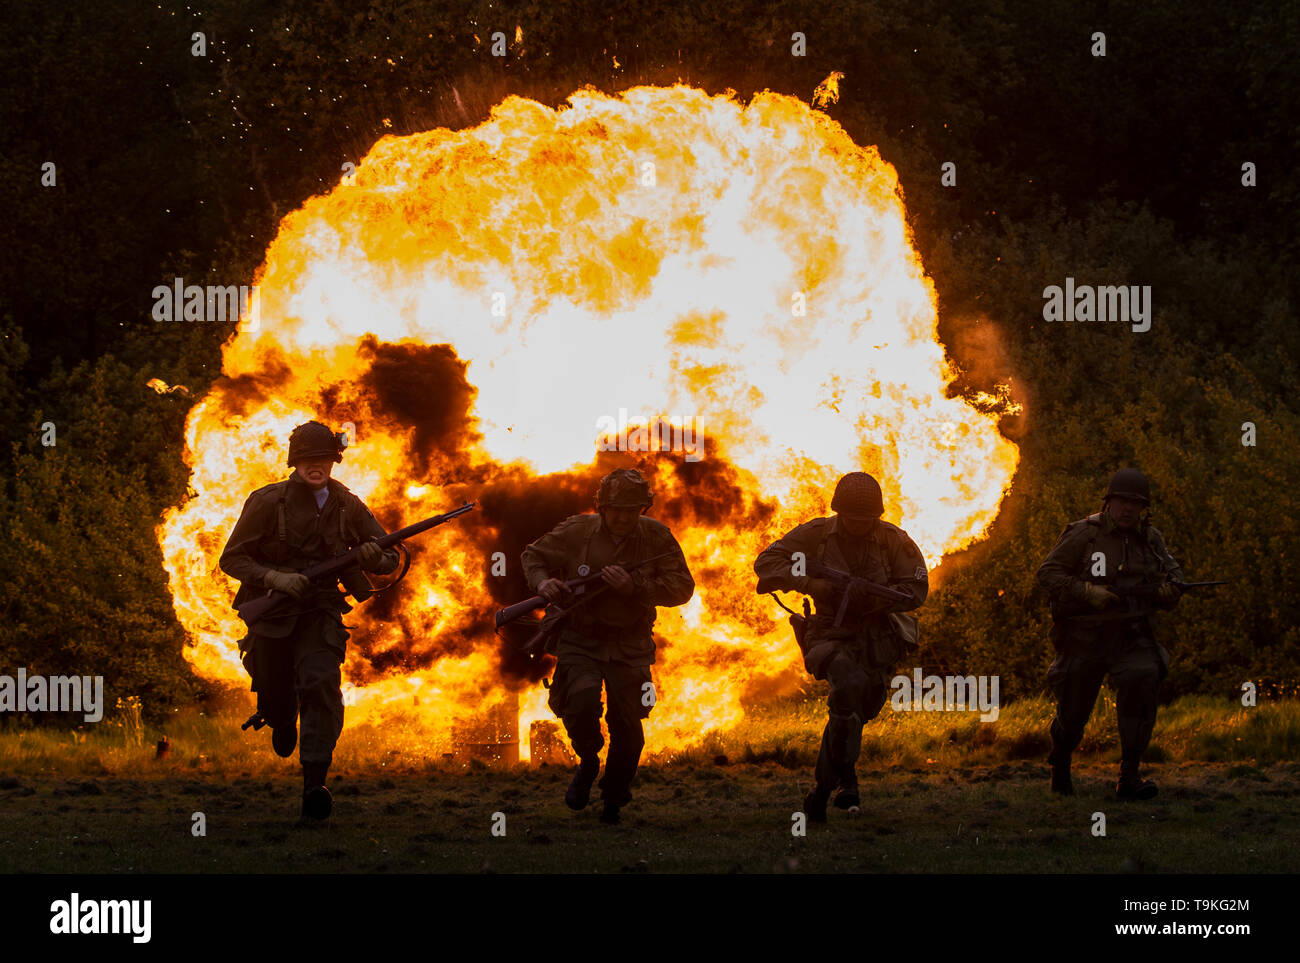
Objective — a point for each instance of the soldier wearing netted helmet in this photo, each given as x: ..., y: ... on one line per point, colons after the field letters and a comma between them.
x: 294, y: 658
x: 1115, y: 551
x: 607, y: 640
x: 856, y: 655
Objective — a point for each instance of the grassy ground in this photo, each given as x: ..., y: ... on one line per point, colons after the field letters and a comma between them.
x: 941, y: 793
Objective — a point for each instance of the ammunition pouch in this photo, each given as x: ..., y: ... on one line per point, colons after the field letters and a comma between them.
x: 888, y: 646
x: 800, y: 626
x: 817, y: 657
x: 907, y: 629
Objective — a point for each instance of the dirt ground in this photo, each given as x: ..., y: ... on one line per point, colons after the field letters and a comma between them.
x: 704, y: 818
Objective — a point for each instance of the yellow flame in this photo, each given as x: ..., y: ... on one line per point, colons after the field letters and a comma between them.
x: 160, y: 386
x: 828, y: 91
x: 745, y: 269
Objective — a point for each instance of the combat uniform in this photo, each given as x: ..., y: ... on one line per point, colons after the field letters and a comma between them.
x: 858, y: 657
x: 610, y: 640
x: 1087, y: 651
x: 294, y: 659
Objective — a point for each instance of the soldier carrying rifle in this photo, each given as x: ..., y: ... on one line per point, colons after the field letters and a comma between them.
x: 607, y: 639
x: 862, y: 573
x: 1107, y: 574
x: 294, y: 655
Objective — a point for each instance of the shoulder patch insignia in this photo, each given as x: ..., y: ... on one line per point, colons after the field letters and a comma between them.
x: 920, y: 573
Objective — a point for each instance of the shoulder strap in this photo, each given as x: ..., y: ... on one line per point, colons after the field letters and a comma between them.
x: 345, y: 498
x: 586, y: 544
x: 281, y: 526
x: 1148, y: 536
x: 1094, y: 526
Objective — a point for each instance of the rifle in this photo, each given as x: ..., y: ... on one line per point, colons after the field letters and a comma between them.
x: 1134, y: 603
x: 848, y: 582
x: 266, y: 606
x: 555, y: 613
x: 519, y: 609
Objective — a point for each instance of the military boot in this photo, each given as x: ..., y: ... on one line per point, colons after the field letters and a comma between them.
x: 847, y: 798
x: 317, y: 803
x: 579, y: 792
x: 1061, y: 782
x: 609, y: 814
x: 814, y: 804
x: 1132, y: 787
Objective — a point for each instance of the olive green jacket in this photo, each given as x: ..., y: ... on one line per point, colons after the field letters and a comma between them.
x: 887, y: 556
x: 612, y: 627
x: 1094, y: 550
x: 257, y: 543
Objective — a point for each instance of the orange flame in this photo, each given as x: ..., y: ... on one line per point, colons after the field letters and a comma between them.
x: 828, y: 91
x: 666, y: 252
x: 163, y: 388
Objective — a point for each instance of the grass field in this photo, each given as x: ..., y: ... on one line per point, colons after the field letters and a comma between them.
x: 941, y: 793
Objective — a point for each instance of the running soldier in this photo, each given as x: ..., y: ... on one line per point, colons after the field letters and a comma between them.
x: 294, y: 657
x: 1099, y: 566
x: 853, y: 644
x: 608, y: 639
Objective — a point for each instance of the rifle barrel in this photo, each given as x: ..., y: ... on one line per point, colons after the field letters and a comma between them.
x: 340, y: 562
x: 256, y: 609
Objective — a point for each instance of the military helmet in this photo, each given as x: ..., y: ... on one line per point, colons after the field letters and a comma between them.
x: 624, y: 488
x: 1129, y: 483
x: 314, y: 440
x: 858, y: 496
